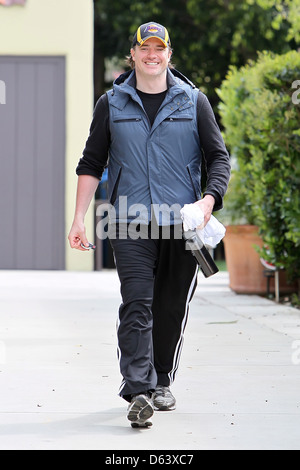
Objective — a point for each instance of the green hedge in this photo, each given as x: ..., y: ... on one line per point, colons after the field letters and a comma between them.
x: 261, y: 116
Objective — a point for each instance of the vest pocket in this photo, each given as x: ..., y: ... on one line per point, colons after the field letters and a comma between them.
x: 127, y: 118
x: 194, y: 175
x: 115, y: 171
x: 178, y: 119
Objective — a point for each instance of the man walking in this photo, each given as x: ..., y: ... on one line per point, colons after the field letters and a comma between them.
x: 152, y: 131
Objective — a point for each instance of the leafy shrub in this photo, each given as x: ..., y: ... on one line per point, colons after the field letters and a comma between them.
x: 262, y: 130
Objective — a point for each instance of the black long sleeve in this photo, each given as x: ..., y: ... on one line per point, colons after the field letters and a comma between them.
x: 215, y: 153
x: 95, y: 154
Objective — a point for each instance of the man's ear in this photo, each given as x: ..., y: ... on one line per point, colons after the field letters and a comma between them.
x: 132, y: 52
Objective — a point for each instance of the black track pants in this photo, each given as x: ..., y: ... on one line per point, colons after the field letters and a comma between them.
x: 158, y: 279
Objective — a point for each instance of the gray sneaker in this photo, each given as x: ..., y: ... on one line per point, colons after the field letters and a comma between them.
x: 140, y: 411
x: 163, y: 400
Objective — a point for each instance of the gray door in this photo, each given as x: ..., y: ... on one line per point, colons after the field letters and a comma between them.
x: 32, y: 163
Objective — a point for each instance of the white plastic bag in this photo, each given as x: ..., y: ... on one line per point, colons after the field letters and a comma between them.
x: 193, y: 218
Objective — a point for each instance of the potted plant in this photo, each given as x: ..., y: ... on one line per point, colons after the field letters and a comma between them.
x: 262, y: 131
x: 246, y: 272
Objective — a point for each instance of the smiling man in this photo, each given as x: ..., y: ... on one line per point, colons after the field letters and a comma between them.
x: 151, y: 130
x: 151, y: 60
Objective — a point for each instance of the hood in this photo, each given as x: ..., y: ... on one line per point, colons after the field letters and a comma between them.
x: 172, y: 72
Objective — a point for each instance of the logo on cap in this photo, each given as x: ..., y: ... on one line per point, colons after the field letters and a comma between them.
x: 153, y: 28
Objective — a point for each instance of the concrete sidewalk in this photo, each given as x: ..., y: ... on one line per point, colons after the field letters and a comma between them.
x: 238, y: 386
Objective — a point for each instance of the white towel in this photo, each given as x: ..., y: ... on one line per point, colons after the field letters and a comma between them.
x: 193, y: 218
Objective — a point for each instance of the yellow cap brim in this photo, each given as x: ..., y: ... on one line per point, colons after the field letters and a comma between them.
x: 141, y: 42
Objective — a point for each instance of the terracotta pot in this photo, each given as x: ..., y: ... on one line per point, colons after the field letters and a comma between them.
x: 246, y: 272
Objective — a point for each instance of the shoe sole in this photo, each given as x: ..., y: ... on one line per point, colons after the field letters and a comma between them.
x: 140, y: 411
x: 164, y: 408
x: 143, y: 424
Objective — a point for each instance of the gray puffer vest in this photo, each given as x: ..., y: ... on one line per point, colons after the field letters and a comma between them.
x: 156, y: 167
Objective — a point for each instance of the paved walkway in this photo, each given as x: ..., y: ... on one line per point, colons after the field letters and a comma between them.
x: 238, y: 386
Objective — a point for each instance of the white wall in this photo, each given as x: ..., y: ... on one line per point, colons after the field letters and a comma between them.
x: 60, y: 27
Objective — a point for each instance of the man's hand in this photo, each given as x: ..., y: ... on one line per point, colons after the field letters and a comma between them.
x: 77, y: 236
x: 86, y: 188
x: 206, y: 205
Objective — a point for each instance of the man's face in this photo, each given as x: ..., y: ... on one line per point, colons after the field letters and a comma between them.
x: 151, y: 59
